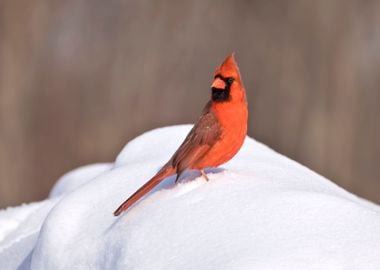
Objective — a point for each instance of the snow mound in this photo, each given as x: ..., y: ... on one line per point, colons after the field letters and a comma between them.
x: 261, y: 210
x: 78, y: 177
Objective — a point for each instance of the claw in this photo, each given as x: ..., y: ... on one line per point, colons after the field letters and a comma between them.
x: 204, y: 175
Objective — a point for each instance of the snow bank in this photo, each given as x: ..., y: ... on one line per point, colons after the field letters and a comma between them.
x: 78, y: 177
x: 260, y: 211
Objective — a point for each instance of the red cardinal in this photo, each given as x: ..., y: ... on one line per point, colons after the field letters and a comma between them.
x: 215, y: 138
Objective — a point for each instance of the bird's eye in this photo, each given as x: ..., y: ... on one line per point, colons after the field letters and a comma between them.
x: 230, y: 80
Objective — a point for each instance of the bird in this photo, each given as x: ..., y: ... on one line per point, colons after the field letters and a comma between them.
x: 215, y: 138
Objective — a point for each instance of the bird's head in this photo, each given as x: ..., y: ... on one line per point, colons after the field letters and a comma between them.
x: 227, y: 84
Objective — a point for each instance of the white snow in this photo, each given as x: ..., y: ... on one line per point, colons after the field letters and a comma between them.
x: 78, y: 177
x: 261, y: 210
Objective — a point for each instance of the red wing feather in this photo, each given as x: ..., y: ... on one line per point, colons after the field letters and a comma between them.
x: 198, y: 142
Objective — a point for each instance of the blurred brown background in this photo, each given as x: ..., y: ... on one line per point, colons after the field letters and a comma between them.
x: 78, y: 79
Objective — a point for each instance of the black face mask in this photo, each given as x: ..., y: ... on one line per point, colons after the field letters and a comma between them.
x: 219, y: 94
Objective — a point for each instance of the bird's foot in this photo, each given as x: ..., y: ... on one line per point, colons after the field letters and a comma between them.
x: 204, y: 175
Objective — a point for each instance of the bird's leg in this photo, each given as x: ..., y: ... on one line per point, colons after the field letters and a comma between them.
x: 204, y: 175
x: 177, y: 178
x: 179, y: 173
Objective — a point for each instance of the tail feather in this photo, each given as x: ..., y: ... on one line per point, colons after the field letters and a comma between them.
x: 164, y: 172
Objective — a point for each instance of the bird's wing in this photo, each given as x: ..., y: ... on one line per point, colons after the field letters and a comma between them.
x: 198, y: 142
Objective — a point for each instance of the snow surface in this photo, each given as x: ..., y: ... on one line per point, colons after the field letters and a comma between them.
x: 78, y: 177
x: 261, y: 210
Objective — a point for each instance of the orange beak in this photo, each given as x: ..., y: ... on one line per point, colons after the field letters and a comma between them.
x: 218, y: 83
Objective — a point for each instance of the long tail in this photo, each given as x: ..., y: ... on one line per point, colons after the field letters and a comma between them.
x: 164, y: 172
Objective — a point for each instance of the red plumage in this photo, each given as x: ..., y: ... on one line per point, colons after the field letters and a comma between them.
x: 215, y: 138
